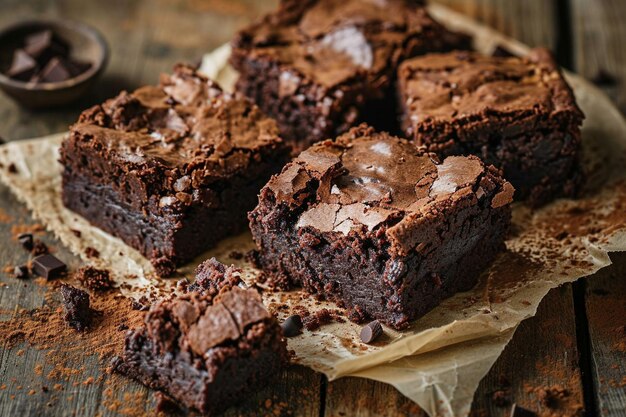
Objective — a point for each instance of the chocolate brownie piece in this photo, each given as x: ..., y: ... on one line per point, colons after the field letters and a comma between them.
x: 320, y: 66
x: 170, y: 169
x: 377, y: 225
x: 213, y: 277
x: 206, y: 355
x: 78, y: 313
x: 515, y: 113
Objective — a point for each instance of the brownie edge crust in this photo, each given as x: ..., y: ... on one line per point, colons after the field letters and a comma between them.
x: 376, y: 225
x: 170, y: 169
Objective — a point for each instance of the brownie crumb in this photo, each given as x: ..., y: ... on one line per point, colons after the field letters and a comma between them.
x: 93, y: 278
x: 12, y: 168
x: 78, y: 314
x: 500, y: 398
x: 91, y: 252
x: 165, y: 404
x: 122, y: 327
x: 213, y: 277
x: 76, y: 233
x: 39, y: 248
x: 320, y: 318
x: 553, y: 397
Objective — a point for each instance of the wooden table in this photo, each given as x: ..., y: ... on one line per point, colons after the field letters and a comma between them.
x: 569, y: 342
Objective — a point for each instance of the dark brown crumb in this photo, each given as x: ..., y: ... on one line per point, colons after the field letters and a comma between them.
x: 93, y: 278
x: 12, y: 168
x: 91, y: 252
x: 78, y: 314
x: 552, y: 397
x: 320, y: 318
x: 76, y: 233
x: 26, y: 240
x: 39, y: 248
x: 21, y: 272
x: 165, y: 404
x: 501, y: 398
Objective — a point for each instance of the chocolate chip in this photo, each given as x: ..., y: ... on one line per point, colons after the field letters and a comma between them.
x: 23, y: 66
x: 21, y: 272
x: 48, y: 266
x: 292, y: 326
x: 517, y: 411
x: 371, y: 332
x: 26, y: 240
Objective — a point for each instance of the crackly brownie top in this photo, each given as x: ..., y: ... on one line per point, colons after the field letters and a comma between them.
x: 367, y: 180
x: 196, y: 323
x: 332, y: 41
x: 185, y: 127
x: 466, y: 85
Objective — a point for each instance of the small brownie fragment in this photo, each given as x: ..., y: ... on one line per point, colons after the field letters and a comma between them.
x: 377, y: 225
x: 93, y: 278
x: 206, y: 356
x: 78, y: 314
x: 39, y: 248
x: 26, y: 240
x: 518, y: 114
x: 48, y: 266
x: 321, y: 66
x: 371, y: 331
x: 292, y: 326
x: 20, y: 272
x: 212, y: 277
x: 170, y: 169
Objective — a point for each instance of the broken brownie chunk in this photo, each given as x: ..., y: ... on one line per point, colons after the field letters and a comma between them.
x: 212, y: 277
x: 78, y: 313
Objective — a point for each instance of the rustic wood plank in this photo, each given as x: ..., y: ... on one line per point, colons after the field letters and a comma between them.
x: 605, y: 304
x: 598, y: 39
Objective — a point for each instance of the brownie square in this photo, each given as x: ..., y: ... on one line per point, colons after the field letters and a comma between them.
x: 379, y: 226
x: 170, y: 169
x: 206, y: 353
x: 515, y: 113
x: 320, y: 66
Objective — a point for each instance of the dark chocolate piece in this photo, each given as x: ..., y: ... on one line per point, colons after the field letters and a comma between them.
x: 292, y: 326
x: 55, y: 71
x: 21, y: 272
x: 321, y: 66
x: 44, y: 45
x: 23, y: 66
x: 206, y: 356
x: 26, y: 240
x: 376, y: 224
x: 515, y: 113
x: 48, y: 266
x: 78, y: 314
x: 371, y: 331
x: 170, y: 169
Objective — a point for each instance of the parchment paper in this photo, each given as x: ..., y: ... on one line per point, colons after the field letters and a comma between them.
x: 440, y: 360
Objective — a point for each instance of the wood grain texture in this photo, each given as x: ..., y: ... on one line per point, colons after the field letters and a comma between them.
x: 605, y: 305
x: 599, y: 33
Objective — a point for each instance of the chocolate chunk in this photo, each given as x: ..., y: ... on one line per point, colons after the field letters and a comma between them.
x: 48, y: 266
x: 26, y: 240
x: 165, y: 405
x: 55, y: 71
x: 21, y: 272
x: 517, y: 411
x: 44, y: 45
x: 78, y: 314
x: 292, y: 326
x: 371, y: 332
x: 23, y: 66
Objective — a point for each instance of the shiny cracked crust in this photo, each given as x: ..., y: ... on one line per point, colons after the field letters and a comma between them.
x: 366, y: 179
x: 177, y: 139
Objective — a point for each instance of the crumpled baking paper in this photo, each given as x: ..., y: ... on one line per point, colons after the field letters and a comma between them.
x: 439, y: 361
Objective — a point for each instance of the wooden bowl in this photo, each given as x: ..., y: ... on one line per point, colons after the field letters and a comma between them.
x: 87, y: 45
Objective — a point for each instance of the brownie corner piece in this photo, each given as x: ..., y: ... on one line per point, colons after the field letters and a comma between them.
x: 375, y: 224
x: 206, y: 353
x: 321, y: 66
x: 170, y: 169
x: 517, y: 113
